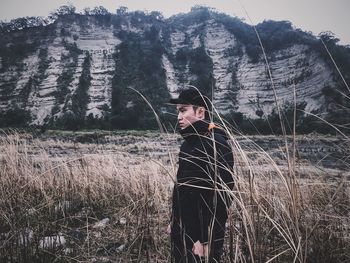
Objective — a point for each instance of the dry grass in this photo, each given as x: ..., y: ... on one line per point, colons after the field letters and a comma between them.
x: 44, y: 195
x: 61, y: 189
x: 282, y: 216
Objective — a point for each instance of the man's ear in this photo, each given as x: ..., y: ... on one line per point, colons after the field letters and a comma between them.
x: 201, y: 111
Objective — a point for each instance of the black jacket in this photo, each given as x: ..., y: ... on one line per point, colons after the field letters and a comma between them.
x: 205, y: 164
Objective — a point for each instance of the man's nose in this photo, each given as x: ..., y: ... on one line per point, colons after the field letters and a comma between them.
x: 179, y: 117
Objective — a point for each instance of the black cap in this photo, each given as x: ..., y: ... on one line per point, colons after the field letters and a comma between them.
x: 192, y: 97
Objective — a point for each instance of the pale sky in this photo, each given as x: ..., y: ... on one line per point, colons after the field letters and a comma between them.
x: 309, y: 15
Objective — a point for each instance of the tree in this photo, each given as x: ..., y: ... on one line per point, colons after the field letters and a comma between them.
x: 328, y: 37
x: 65, y: 10
x: 122, y: 10
x: 99, y: 10
x: 87, y: 11
x: 15, y: 117
x: 157, y: 15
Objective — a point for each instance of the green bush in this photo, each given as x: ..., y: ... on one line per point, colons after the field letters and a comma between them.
x: 15, y: 117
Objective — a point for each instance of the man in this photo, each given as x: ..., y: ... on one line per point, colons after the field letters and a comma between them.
x: 204, y: 180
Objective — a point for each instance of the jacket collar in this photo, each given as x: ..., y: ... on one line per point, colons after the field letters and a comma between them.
x: 202, y: 128
x: 198, y: 128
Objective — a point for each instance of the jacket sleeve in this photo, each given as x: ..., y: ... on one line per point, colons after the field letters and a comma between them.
x: 195, y: 191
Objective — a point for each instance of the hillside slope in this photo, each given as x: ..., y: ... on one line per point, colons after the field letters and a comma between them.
x: 80, y: 70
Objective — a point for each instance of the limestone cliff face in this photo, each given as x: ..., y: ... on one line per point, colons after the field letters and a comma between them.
x: 296, y: 69
x: 246, y: 86
x: 85, y: 64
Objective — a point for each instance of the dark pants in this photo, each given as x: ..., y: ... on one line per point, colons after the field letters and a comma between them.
x: 182, y: 245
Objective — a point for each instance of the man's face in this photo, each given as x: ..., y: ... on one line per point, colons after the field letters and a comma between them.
x: 187, y: 115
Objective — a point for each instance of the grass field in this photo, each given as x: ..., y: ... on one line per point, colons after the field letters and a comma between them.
x: 105, y: 197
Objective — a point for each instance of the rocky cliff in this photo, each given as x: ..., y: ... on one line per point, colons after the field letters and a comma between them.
x: 78, y: 70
